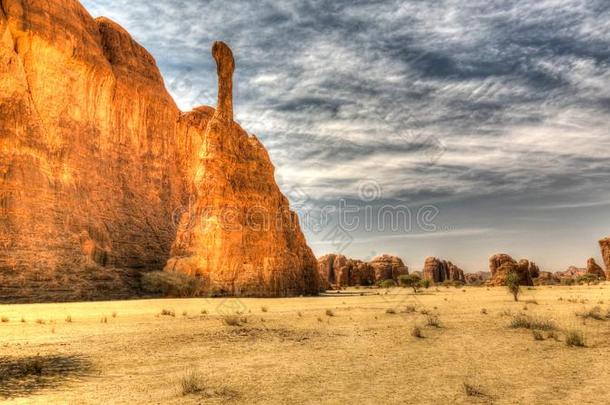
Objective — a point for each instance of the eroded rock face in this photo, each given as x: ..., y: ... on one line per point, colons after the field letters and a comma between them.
x: 501, y: 264
x: 340, y: 271
x: 240, y: 235
x: 97, y: 163
x: 478, y: 277
x: 438, y: 271
x: 594, y: 269
x: 388, y: 267
x: 605, y: 246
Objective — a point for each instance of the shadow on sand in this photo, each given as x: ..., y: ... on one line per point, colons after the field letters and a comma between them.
x: 24, y: 376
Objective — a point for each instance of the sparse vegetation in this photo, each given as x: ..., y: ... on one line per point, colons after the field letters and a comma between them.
x: 264, y: 309
x: 387, y: 284
x: 593, y: 313
x: 411, y: 281
x: 390, y: 311
x: 473, y: 390
x: 483, y: 311
x: 232, y: 320
x: 530, y: 322
x: 575, y: 337
x: 114, y: 314
x: 191, y: 382
x: 531, y: 301
x: 433, y: 320
x: 68, y: 319
x: 104, y: 319
x: 537, y: 335
x: 4, y: 319
x: 170, y: 284
x: 168, y: 312
x: 41, y: 321
x: 512, y: 284
x: 410, y: 309
x: 330, y: 313
x: 417, y: 332
x: 204, y: 312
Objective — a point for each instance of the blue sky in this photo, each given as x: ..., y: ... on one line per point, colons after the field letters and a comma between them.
x: 494, y: 113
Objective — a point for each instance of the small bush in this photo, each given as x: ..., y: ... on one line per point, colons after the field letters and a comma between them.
x: 529, y: 322
x: 575, y: 337
x: 512, y: 281
x: 320, y: 319
x: 538, y: 335
x: 531, y: 301
x: 300, y: 314
x: 184, y: 313
x: 330, y: 313
x: 191, y: 382
x: 410, y: 309
x: 473, y: 390
x: 68, y: 319
x: 104, y: 319
x: 22, y: 320
x: 264, y: 309
x: 587, y: 279
x: 41, y: 321
x: 593, y: 313
x: 433, y: 320
x: 168, y: 312
x: 567, y: 281
x: 390, y: 311
x: 387, y: 284
x: 4, y: 319
x: 426, y: 283
x: 552, y: 335
x: 417, y: 332
x: 483, y: 311
x: 232, y: 320
x: 411, y: 280
x: 114, y: 314
x: 171, y: 284
x: 204, y: 312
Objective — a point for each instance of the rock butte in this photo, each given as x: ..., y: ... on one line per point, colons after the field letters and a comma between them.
x: 605, y: 246
x: 103, y: 177
x: 438, y: 271
x: 339, y: 271
x: 499, y: 264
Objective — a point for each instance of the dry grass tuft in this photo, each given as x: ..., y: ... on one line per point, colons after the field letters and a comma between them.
x: 264, y: 309
x: 483, y: 311
x: 41, y: 321
x: 530, y: 322
x: 232, y: 320
x: 410, y: 309
x: 330, y: 313
x: 68, y: 319
x: 417, y: 332
x: 192, y: 382
x: 593, y: 313
x: 4, y: 319
x: 433, y: 320
x: 390, y: 311
x: 473, y: 390
x: 575, y: 337
x: 168, y: 312
x: 537, y: 335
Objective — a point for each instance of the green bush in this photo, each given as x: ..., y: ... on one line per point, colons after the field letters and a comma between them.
x: 171, y: 284
x: 412, y: 280
x: 426, y: 283
x: 587, y: 279
x: 387, y: 284
x: 567, y: 281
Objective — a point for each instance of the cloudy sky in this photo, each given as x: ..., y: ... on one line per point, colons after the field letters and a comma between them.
x: 484, y: 123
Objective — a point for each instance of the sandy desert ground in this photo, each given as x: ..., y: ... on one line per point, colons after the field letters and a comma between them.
x: 356, y: 347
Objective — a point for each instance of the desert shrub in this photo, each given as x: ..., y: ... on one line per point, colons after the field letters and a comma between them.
x: 300, y: 314
x: 506, y: 312
x: 410, y: 280
x: 387, y: 284
x: 426, y: 283
x: 41, y: 321
x: 191, y: 382
x: 4, y: 319
x: 68, y: 319
x: 458, y: 284
x: 530, y: 322
x: 232, y: 320
x: 483, y: 311
x: 320, y: 319
x: 473, y: 390
x: 204, y: 312
x: 587, y: 279
x: 184, y: 313
x: 330, y: 313
x: 593, y: 313
x: 567, y: 281
x: 575, y: 337
x: 22, y: 320
x: 410, y: 309
x: 552, y: 335
x: 264, y: 309
x: 433, y: 320
x: 531, y: 301
x: 390, y: 311
x: 168, y: 312
x: 171, y: 284
x: 417, y: 332
x: 537, y: 335
x: 512, y: 284
x: 114, y: 314
x: 104, y: 319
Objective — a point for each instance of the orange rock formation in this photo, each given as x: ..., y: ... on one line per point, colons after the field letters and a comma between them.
x: 96, y: 161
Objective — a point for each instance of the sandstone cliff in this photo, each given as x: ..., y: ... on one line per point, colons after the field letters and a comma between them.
x: 594, y: 269
x: 239, y: 235
x: 438, y: 271
x: 338, y: 270
x: 97, y: 162
x: 501, y: 264
x: 605, y: 246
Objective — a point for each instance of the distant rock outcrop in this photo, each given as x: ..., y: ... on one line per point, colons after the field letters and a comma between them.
x: 388, y: 267
x: 478, y: 277
x: 571, y: 272
x: 501, y: 264
x: 605, y: 246
x: 594, y: 269
x: 338, y: 270
x: 438, y: 270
